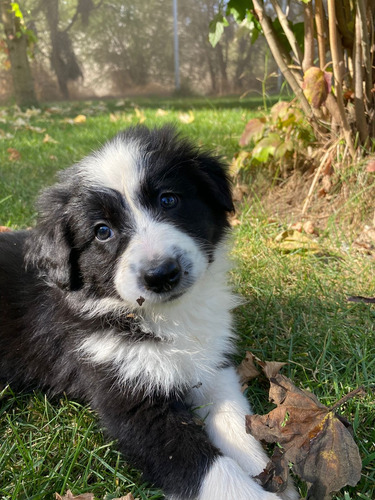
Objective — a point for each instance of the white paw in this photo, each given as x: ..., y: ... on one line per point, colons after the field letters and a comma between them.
x: 226, y: 480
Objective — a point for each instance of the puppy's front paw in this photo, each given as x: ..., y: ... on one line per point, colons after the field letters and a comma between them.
x: 226, y: 480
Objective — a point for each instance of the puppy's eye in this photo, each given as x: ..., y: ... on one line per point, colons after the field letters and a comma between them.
x: 103, y: 232
x: 168, y: 200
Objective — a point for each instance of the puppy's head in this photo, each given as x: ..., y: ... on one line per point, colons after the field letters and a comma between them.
x: 139, y: 220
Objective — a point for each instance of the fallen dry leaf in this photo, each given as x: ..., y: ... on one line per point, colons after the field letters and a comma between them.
x: 69, y: 496
x: 139, y: 113
x: 370, y: 166
x: 292, y: 240
x: 14, y: 155
x: 48, y: 138
x: 313, y: 438
x: 113, y: 117
x: 239, y: 162
x: 186, y: 118
x: 79, y: 119
x: 309, y: 227
x: 5, y: 229
x: 234, y: 222
x: 161, y: 112
x: 247, y: 369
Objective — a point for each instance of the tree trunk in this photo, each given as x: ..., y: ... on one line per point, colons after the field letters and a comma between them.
x: 275, y: 48
x: 16, y: 41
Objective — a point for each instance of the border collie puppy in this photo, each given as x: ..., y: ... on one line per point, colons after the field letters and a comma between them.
x: 118, y: 297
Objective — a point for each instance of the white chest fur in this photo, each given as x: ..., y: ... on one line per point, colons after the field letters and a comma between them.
x: 194, y: 333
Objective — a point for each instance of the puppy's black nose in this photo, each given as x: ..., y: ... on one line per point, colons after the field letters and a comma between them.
x: 163, y: 276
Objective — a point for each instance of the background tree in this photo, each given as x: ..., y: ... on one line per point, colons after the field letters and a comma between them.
x: 125, y: 47
x: 17, y: 39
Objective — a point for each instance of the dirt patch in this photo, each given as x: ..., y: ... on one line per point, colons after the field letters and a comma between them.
x: 346, y: 202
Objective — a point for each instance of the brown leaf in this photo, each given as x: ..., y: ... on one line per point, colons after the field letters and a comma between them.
x: 316, y: 86
x: 69, y: 496
x: 234, y: 222
x: 48, y: 138
x: 371, y: 166
x: 253, y: 130
x: 275, y: 476
x: 309, y: 227
x: 239, y: 191
x: 313, y: 438
x: 186, y: 118
x: 270, y: 368
x: 79, y: 119
x: 247, y: 369
x: 5, y: 229
x: 14, y: 155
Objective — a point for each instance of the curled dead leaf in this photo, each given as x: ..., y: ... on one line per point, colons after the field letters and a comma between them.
x: 161, y: 112
x: 79, y: 119
x: 247, y: 369
x: 313, y: 438
x: 48, y: 138
x: 139, y: 113
x: 13, y: 154
x: 370, y: 166
x: 316, y: 86
x: 5, y: 229
x: 292, y: 240
x: 186, y: 118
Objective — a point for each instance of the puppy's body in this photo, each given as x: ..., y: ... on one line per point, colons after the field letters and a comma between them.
x: 118, y: 296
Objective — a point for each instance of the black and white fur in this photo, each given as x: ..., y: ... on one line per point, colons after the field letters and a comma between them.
x: 118, y: 297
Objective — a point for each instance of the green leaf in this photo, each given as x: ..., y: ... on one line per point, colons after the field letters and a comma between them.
x: 266, y: 147
x: 240, y: 7
x: 217, y: 28
x: 16, y: 9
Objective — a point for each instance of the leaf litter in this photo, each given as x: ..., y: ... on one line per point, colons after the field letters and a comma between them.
x: 313, y: 438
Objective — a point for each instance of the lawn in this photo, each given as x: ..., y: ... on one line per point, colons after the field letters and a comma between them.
x: 295, y: 307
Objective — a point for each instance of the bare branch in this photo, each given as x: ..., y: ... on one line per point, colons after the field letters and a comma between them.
x: 274, y: 46
x: 359, y: 106
x: 366, y: 58
x: 288, y: 32
x: 321, y: 32
x: 334, y: 42
x: 308, y: 15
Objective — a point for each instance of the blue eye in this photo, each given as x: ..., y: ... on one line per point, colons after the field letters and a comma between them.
x: 103, y: 232
x: 168, y: 200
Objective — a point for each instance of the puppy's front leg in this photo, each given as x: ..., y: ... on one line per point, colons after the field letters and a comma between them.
x: 223, y: 407
x: 159, y: 435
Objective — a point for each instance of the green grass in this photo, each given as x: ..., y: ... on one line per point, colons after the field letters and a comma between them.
x: 218, y: 123
x: 295, y: 305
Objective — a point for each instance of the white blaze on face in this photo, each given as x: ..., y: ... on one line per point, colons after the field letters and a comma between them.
x: 119, y: 166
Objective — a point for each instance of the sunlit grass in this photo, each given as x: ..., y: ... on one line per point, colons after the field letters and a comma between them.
x: 296, y: 310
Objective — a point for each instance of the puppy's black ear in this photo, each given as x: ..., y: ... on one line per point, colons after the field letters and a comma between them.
x: 49, y: 246
x: 214, y: 174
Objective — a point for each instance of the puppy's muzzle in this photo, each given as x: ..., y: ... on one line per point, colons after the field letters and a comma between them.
x: 162, y: 276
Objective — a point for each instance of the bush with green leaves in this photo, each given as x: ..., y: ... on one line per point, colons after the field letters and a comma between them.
x: 278, y: 139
